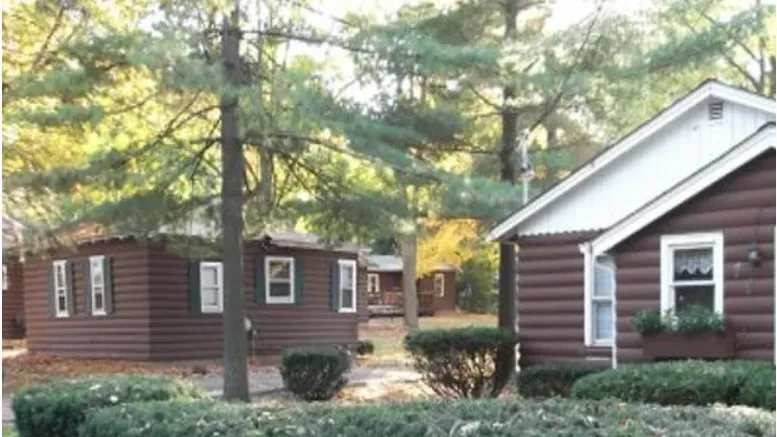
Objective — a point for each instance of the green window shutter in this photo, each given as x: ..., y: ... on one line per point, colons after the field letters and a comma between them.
x: 334, y: 282
x: 299, y: 280
x: 50, y: 298
x: 108, y: 278
x: 194, y: 287
x: 259, y: 294
x: 87, y: 287
x: 71, y: 287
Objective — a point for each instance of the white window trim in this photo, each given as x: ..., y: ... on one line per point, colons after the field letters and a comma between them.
x: 220, y: 276
x: 5, y: 277
x: 95, y: 311
x: 594, y: 298
x: 691, y: 241
x: 351, y: 263
x: 589, y: 338
x: 376, y: 278
x: 441, y: 276
x: 60, y: 263
x: 276, y: 299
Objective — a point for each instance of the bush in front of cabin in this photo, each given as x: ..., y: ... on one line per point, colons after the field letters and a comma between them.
x: 365, y: 347
x: 458, y: 362
x: 549, y: 380
x: 682, y: 383
x: 56, y: 409
x: 315, y: 373
x: 467, y: 418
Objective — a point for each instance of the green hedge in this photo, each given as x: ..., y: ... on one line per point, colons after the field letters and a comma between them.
x: 684, y: 383
x: 458, y: 362
x: 488, y: 418
x: 548, y: 380
x: 315, y: 373
x: 56, y: 409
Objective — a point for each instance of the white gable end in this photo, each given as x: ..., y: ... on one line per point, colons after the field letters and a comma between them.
x: 659, y: 162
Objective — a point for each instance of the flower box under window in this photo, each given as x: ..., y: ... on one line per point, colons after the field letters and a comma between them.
x: 679, y: 345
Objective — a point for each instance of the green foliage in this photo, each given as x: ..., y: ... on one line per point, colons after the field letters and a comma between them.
x: 696, y: 320
x: 648, y: 322
x: 57, y: 409
x: 684, y: 383
x: 458, y: 362
x: 315, y: 373
x: 693, y: 320
x: 548, y: 380
x: 365, y: 347
x: 477, y: 283
x: 487, y: 418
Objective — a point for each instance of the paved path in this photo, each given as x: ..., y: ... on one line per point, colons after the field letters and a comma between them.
x: 270, y: 381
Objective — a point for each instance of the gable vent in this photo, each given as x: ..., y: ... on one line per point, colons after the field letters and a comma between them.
x: 715, y: 110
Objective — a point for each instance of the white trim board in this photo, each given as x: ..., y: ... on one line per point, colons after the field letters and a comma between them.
x: 711, y: 88
x: 759, y: 142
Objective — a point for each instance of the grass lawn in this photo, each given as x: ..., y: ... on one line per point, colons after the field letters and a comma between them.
x: 8, y: 431
x: 387, y: 333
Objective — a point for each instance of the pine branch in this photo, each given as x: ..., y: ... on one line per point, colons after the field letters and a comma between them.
x: 47, y: 41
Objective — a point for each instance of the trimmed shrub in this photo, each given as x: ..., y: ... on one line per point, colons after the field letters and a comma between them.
x: 697, y: 320
x: 315, y: 373
x: 682, y: 383
x: 458, y: 362
x: 365, y: 347
x: 758, y: 388
x: 548, y: 380
x: 56, y: 409
x: 469, y: 418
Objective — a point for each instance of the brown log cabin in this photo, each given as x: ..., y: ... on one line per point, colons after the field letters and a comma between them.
x: 436, y: 291
x: 140, y: 299
x: 679, y: 213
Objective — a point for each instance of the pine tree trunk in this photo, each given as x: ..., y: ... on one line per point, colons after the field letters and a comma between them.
x: 235, y: 344
x: 407, y: 247
x: 505, y: 361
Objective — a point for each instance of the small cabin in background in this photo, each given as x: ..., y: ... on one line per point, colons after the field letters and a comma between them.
x: 436, y: 290
x: 136, y: 298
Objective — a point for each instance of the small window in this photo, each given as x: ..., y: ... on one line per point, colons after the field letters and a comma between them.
x: 601, y: 300
x: 5, y: 277
x: 97, y: 276
x: 692, y: 272
x: 60, y: 289
x: 439, y: 284
x: 211, y: 287
x: 347, y: 286
x: 279, y: 277
x: 373, y: 283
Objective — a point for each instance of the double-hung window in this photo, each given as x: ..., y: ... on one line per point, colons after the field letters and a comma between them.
x: 692, y: 272
x: 97, y: 281
x: 601, y: 300
x: 347, y: 288
x: 60, y: 289
x: 373, y: 283
x: 279, y: 279
x: 211, y: 287
x: 439, y: 284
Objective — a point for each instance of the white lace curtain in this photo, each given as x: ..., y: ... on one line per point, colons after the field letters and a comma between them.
x: 693, y: 261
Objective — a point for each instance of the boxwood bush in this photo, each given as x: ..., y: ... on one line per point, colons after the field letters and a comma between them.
x: 458, y: 362
x: 547, y: 380
x: 365, y: 347
x: 315, y: 373
x: 684, y: 383
x: 467, y: 418
x: 57, y: 408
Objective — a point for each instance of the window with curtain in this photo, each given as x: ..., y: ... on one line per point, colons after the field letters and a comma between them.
x: 601, y: 299
x: 691, y: 272
x: 211, y: 287
x: 279, y: 274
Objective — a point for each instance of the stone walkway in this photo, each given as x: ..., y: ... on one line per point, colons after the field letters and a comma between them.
x: 270, y: 381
